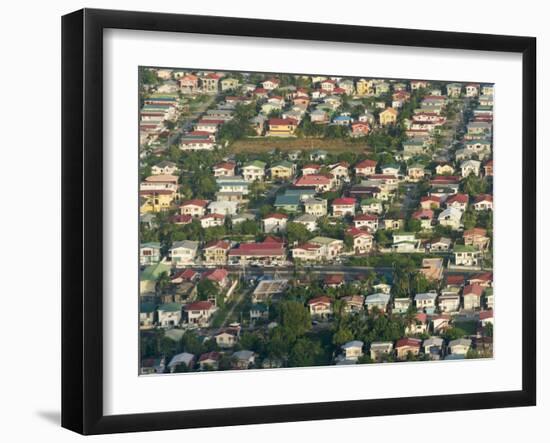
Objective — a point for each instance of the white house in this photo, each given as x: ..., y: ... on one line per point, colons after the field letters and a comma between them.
x: 183, y: 253
x: 274, y: 223
x: 450, y: 217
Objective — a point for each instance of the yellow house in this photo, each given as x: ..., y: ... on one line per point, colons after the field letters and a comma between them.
x: 388, y: 117
x: 282, y: 170
x: 281, y: 127
x: 364, y: 87
x: 155, y: 200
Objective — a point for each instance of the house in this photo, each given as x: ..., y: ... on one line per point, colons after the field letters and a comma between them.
x: 379, y: 300
x: 416, y: 172
x: 433, y: 347
x: 353, y: 303
x: 340, y: 170
x: 425, y: 301
x: 282, y: 170
x: 467, y: 255
x: 454, y: 90
x: 353, y: 350
x: 430, y: 202
x: 389, y: 170
x: 236, y: 185
x: 440, y: 244
x: 368, y: 221
x: 146, y: 315
x: 212, y: 220
x: 372, y: 206
x: 470, y: 167
x: 281, y: 127
x: 343, y: 206
x: 401, y: 305
x: 360, y: 129
x: 333, y: 280
x: 227, y: 338
x: 224, y: 169
x: 460, y: 346
x: 425, y: 216
x: 476, y: 237
x: 243, y: 359
x: 319, y: 116
x: 288, y: 203
x: 189, y: 84
x: 210, y: 83
x: 419, y: 325
x: 268, y: 252
x: 254, y: 171
x: 449, y: 302
x: 152, y: 366
x: 432, y: 268
x: 405, y: 242
x: 471, y: 296
x: 450, y: 217
x: 209, y: 361
x: 380, y: 349
x: 149, y: 276
x: 194, y: 208
x: 270, y: 84
x: 200, y: 312
x: 484, y: 280
x: 320, y: 307
x: 444, y: 169
x: 215, y: 252
x: 183, y: 253
x: 169, y: 315
x: 259, y: 311
x: 228, y: 84
x: 440, y: 323
x: 149, y: 253
x: 185, y: 360
x: 156, y: 200
x: 318, y: 155
x: 407, y: 347
x: 164, y: 168
x: 388, y: 117
x: 419, y: 84
x: 457, y: 201
x: 330, y: 247
x: 321, y: 182
x: 185, y: 275
x: 223, y: 207
x: 311, y: 169
x: 269, y: 289
x: 472, y: 90
x: 274, y: 223
x: 483, y: 202
x: 218, y: 276
x: 308, y: 220
x: 362, y: 240
x: 365, y: 168
x: 342, y: 120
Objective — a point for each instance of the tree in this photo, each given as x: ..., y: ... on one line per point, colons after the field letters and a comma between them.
x: 297, y: 232
x: 413, y: 225
x: 454, y: 333
x: 305, y: 352
x: 341, y: 336
x: 470, y: 218
x: 162, y: 283
x: 294, y: 318
x: 206, y: 289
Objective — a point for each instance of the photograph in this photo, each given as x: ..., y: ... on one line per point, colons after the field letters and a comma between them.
x: 293, y: 220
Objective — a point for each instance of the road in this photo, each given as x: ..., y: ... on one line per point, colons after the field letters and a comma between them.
x: 349, y: 271
x: 187, y: 123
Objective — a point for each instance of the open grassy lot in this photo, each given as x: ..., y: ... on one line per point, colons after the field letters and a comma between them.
x: 265, y: 144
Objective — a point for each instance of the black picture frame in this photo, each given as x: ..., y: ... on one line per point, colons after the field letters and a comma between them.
x: 82, y: 231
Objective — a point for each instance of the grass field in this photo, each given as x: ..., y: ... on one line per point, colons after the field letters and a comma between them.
x: 264, y: 144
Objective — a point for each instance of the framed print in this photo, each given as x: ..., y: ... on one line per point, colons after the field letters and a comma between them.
x: 271, y: 221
